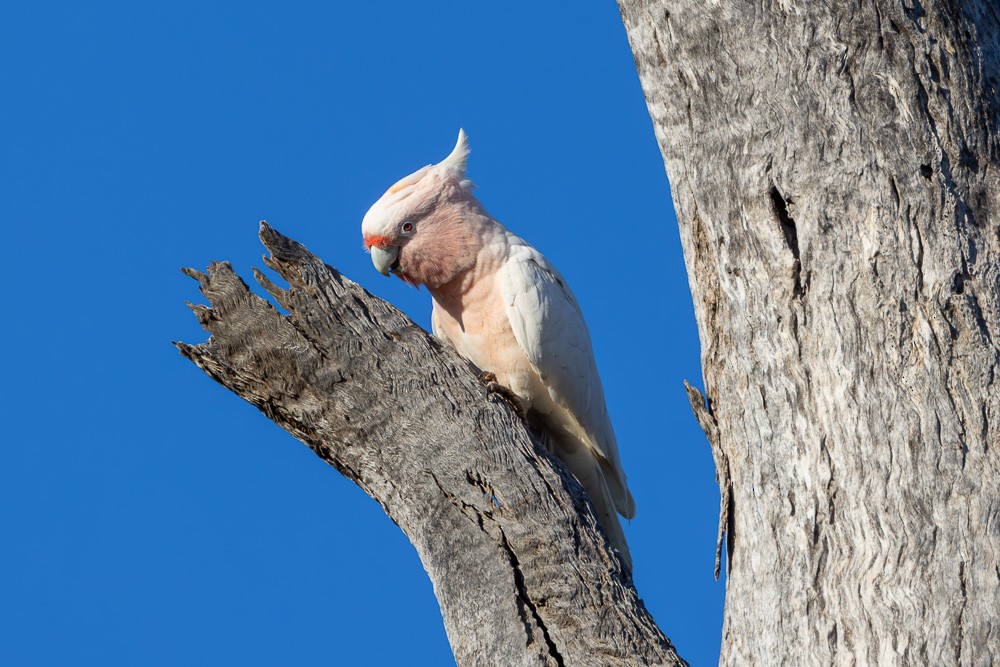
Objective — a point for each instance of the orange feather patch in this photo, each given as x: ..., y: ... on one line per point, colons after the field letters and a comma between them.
x: 377, y: 240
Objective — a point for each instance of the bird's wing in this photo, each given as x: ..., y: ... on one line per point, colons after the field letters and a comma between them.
x: 436, y: 327
x: 550, y: 330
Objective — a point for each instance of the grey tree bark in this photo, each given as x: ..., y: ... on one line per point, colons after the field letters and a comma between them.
x: 835, y: 168
x: 522, y: 572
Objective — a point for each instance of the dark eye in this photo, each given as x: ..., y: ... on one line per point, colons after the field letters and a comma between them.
x: 406, y: 228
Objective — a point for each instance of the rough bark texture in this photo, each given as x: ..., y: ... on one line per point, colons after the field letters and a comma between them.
x: 522, y: 572
x: 834, y: 168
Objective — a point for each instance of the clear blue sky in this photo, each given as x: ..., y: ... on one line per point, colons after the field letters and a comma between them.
x: 150, y: 517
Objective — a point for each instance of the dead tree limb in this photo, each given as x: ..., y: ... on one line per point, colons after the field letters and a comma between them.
x: 522, y: 572
x: 835, y: 167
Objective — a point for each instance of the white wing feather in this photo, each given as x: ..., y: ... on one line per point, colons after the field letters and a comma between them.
x: 549, y: 327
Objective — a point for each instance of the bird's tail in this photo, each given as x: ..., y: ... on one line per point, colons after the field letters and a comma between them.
x: 608, y: 516
x: 594, y: 480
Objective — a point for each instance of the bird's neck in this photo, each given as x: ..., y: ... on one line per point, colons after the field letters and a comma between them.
x: 483, y: 246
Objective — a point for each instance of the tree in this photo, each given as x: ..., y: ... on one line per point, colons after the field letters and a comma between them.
x: 835, y: 173
x: 835, y: 168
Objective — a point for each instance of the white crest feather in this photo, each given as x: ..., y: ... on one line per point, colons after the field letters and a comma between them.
x: 459, y: 156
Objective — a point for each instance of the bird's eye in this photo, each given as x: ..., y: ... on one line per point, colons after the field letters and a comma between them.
x: 406, y: 228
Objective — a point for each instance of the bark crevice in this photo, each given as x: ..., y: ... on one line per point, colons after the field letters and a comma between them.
x: 790, y: 233
x: 526, y: 602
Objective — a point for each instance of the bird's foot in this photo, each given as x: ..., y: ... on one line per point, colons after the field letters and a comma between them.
x: 494, y: 388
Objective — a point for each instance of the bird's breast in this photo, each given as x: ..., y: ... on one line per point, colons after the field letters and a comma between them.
x: 480, y: 331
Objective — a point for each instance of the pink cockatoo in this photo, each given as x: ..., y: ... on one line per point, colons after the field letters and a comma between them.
x: 506, y: 309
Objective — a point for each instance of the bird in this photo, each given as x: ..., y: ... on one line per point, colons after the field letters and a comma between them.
x: 508, y: 311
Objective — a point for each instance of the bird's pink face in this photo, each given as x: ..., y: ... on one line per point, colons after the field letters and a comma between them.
x: 414, y: 230
x: 398, y: 225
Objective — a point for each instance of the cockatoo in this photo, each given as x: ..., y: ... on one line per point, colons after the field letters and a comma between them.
x: 505, y: 308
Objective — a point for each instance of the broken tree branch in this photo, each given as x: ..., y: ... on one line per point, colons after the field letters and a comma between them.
x: 522, y: 572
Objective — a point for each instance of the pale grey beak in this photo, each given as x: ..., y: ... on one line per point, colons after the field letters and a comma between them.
x: 384, y: 258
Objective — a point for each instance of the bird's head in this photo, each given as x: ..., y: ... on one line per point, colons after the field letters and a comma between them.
x: 416, y: 230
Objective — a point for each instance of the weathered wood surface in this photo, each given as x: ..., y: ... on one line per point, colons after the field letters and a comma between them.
x: 520, y: 568
x: 834, y: 167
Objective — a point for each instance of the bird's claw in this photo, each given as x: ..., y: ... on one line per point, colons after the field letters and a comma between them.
x: 494, y: 388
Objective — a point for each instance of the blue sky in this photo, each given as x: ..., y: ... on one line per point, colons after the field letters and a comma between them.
x: 151, y: 517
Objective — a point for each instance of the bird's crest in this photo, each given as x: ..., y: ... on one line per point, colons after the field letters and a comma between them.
x: 459, y: 156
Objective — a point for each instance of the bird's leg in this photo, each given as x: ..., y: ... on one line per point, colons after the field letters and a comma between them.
x: 494, y: 388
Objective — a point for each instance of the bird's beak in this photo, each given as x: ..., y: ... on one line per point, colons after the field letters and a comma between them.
x: 384, y: 258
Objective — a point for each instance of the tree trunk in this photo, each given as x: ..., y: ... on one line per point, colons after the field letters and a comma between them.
x: 835, y: 169
x: 522, y: 572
